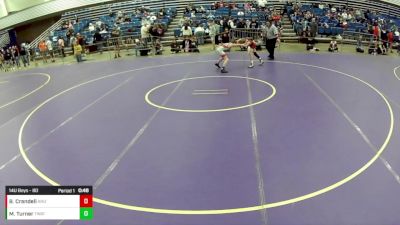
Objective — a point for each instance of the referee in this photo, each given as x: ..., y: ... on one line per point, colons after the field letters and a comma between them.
x: 271, y: 35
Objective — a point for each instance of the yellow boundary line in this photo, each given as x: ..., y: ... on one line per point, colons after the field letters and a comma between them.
x: 217, y: 211
x: 148, y: 100
x: 395, y: 74
x: 30, y: 93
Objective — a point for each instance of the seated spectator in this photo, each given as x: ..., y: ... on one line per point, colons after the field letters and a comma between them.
x: 310, y: 45
x: 186, y: 44
x: 186, y: 31
x: 91, y: 27
x: 193, y: 46
x: 175, y: 48
x: 158, y: 47
x: 333, y: 45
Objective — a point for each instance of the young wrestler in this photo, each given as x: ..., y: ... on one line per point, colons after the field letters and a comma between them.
x: 223, y: 56
x: 251, y: 49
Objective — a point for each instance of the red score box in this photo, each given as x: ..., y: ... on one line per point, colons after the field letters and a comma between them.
x: 86, y: 201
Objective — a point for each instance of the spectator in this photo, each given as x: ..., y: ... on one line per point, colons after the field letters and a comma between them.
x: 175, y: 48
x: 145, y: 34
x: 115, y: 34
x: 61, y: 45
x: 158, y: 47
x: 333, y: 47
x: 390, y: 40
x: 187, y: 42
x: 253, y: 24
x: 24, y: 55
x: 313, y: 28
x: 98, y: 40
x: 199, y: 33
x: 43, y: 50
x: 15, y: 56
x: 241, y: 23
x: 359, y: 47
x: 186, y: 31
x: 91, y: 27
x: 381, y: 49
x: 49, y: 45
x: 214, y: 32
x: 78, y: 51
x: 225, y: 36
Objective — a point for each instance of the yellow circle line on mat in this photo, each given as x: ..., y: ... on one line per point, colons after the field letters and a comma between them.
x: 217, y: 211
x: 30, y: 93
x: 148, y: 100
x: 395, y: 74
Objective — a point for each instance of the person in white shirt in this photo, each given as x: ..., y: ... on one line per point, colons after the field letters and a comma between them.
x: 61, y: 46
x: 344, y: 15
x: 145, y: 33
x: 333, y: 47
x: 186, y: 31
x: 49, y: 45
x: 199, y: 33
x: 270, y: 34
x: 91, y: 27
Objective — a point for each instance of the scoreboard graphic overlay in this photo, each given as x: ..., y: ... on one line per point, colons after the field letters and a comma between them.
x: 49, y: 203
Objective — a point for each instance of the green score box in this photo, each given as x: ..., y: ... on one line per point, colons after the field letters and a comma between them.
x: 86, y: 214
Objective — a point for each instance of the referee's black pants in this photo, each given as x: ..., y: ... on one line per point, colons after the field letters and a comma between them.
x: 270, y: 46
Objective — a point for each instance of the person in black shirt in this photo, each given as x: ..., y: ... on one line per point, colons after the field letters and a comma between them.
x: 24, y: 56
x: 98, y: 40
x: 7, y: 59
x: 241, y: 24
x: 253, y: 24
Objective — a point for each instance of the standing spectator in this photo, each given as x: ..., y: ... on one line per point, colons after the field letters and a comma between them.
x: 78, y: 51
x: 145, y: 34
x: 72, y: 42
x: 214, y: 31
x: 313, y: 28
x: 199, y: 33
x: 241, y: 23
x: 70, y: 34
x: 225, y: 36
x: 49, y: 45
x: 271, y: 35
x: 16, y: 55
x: 98, y: 40
x: 377, y: 32
x: 43, y: 50
x: 390, y: 40
x: 116, y: 33
x: 61, y: 45
x: 253, y: 24
x: 24, y: 55
x: 384, y: 38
